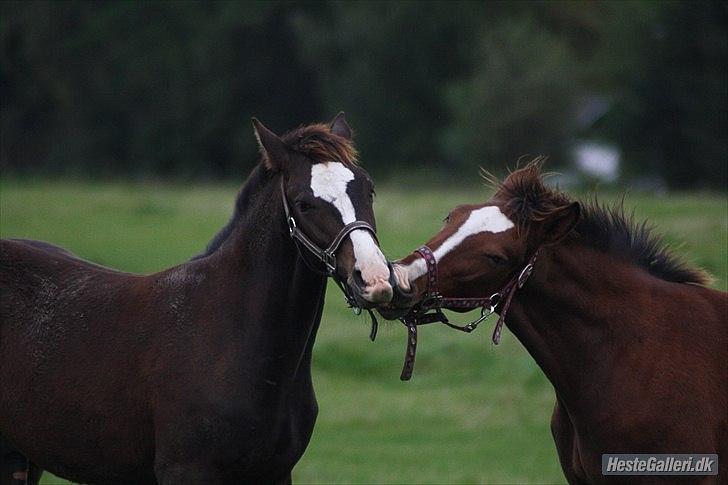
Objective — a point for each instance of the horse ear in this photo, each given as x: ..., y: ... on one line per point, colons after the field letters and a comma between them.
x: 274, y: 151
x: 340, y: 127
x: 559, y: 224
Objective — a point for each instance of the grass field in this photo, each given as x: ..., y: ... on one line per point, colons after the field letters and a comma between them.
x: 472, y: 413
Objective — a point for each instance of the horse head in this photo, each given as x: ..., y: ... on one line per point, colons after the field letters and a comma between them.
x: 328, y: 199
x: 481, y: 247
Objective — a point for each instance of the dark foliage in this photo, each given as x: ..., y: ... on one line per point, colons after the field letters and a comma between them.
x: 167, y: 88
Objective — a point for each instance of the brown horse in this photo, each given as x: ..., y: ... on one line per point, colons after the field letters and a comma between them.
x: 600, y: 313
x: 200, y: 373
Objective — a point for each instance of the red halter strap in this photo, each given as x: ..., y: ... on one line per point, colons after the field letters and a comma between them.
x: 430, y: 309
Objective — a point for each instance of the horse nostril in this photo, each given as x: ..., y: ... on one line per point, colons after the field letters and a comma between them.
x: 358, y: 279
x: 392, y: 277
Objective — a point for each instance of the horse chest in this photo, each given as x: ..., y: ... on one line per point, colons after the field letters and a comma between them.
x: 260, y: 428
x: 296, y: 429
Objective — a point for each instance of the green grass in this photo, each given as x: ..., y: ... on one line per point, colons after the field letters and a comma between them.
x: 472, y: 413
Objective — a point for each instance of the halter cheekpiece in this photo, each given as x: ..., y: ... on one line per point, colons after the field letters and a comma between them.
x: 430, y: 309
x: 328, y: 256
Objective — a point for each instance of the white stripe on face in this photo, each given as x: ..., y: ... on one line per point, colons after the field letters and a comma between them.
x: 485, y: 219
x: 328, y: 182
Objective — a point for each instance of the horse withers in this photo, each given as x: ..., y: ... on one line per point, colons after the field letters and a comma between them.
x: 200, y: 373
x: 631, y: 337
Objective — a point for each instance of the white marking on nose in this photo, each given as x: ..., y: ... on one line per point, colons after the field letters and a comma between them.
x: 328, y: 182
x: 486, y: 219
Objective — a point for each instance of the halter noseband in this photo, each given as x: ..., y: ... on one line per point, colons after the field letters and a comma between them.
x: 328, y: 256
x: 422, y: 314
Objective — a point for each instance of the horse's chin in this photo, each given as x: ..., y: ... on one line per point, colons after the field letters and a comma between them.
x: 362, y: 302
x: 401, y: 304
x: 392, y: 313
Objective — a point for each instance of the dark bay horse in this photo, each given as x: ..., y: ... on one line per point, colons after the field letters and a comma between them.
x: 200, y: 373
x: 633, y: 341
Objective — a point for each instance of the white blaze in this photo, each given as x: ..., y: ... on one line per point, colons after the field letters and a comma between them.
x: 485, y: 219
x: 328, y: 182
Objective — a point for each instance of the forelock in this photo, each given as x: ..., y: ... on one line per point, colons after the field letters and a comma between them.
x: 318, y: 143
x: 525, y: 197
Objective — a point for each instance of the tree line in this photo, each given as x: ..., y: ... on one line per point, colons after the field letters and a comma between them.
x: 166, y: 89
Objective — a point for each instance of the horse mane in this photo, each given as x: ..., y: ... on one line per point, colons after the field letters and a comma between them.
x: 315, y: 141
x: 603, y: 227
x: 256, y: 179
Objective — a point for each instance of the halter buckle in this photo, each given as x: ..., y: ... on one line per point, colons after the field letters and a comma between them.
x: 432, y: 301
x: 329, y: 261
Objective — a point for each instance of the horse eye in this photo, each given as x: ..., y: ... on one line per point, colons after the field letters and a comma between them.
x: 303, y: 206
x: 446, y: 219
x: 497, y: 260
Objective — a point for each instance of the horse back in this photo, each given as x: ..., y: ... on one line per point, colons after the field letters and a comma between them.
x: 40, y: 281
x: 16, y: 249
x: 65, y: 341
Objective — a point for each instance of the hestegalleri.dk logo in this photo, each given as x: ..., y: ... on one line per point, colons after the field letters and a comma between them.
x: 659, y: 464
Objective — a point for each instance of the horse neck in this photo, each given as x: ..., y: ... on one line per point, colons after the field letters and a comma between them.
x: 579, y: 313
x: 282, y: 298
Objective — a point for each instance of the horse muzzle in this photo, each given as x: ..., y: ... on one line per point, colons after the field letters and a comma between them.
x: 377, y: 291
x: 403, y: 299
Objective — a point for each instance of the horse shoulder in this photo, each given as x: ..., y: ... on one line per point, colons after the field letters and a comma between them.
x: 564, y: 434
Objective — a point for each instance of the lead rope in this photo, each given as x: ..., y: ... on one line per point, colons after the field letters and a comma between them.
x: 434, y: 301
x: 417, y: 317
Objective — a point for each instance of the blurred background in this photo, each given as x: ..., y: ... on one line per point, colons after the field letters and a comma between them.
x: 613, y: 90
x: 125, y: 131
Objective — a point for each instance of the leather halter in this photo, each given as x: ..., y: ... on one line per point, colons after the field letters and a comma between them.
x: 328, y: 256
x: 422, y: 314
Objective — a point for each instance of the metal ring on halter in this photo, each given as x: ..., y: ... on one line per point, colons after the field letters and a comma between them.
x: 525, y: 273
x: 495, y: 299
